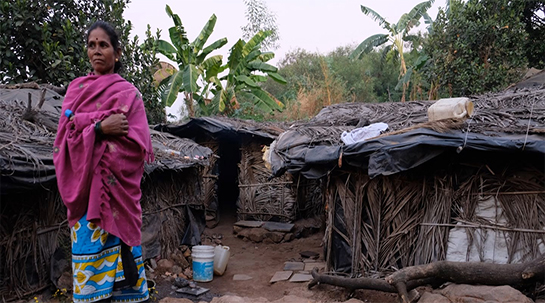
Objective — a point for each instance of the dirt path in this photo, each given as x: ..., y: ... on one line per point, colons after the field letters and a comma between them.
x: 260, y: 261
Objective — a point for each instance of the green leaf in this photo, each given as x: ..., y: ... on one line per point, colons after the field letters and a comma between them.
x: 411, y: 19
x: 205, y: 34
x: 190, y: 76
x: 368, y: 44
x: 262, y: 67
x: 212, y: 66
x: 376, y: 17
x: 166, y: 49
x: 278, y: 78
x: 207, y: 50
x: 255, y: 41
x: 405, y: 79
x: 174, y: 85
x: 246, y: 80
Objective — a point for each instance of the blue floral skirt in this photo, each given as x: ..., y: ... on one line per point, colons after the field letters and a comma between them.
x: 98, y: 268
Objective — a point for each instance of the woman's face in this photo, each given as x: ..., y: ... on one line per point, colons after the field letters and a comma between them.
x: 101, y: 52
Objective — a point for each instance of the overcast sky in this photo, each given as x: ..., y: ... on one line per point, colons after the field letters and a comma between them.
x: 314, y: 25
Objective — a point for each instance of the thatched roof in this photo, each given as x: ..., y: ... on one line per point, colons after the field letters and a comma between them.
x: 511, y: 120
x: 27, y: 136
x: 219, y: 126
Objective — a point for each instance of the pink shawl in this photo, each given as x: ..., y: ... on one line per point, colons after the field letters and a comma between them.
x: 101, y: 176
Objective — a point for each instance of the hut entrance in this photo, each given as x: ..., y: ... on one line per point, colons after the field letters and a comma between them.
x: 227, y: 191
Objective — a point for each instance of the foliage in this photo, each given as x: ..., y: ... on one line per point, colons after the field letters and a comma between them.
x: 201, y: 80
x: 533, y: 17
x: 397, y: 36
x: 478, y: 47
x: 43, y: 41
x: 195, y: 69
x: 260, y: 19
x: 315, y: 80
x: 242, y: 94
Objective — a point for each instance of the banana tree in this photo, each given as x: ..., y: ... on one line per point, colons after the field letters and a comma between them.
x: 396, y: 36
x: 247, y: 69
x: 194, y: 68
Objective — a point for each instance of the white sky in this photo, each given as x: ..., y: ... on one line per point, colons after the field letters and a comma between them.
x: 314, y: 25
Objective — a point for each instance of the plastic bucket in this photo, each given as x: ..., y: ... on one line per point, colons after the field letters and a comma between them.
x: 221, y: 256
x: 203, y: 263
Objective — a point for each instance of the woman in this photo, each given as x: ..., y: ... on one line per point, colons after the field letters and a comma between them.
x: 102, y: 142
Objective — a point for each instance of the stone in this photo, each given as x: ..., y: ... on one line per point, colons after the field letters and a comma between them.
x: 275, y: 236
x: 165, y: 264
x: 268, y: 241
x: 65, y: 280
x: 479, y: 293
x: 278, y: 226
x: 256, y: 234
x: 241, y: 277
x: 176, y: 270
x: 249, y: 223
x: 236, y: 299
x: 429, y: 297
x: 175, y: 300
x: 311, y: 266
x: 281, y: 276
x: 195, y: 291
x: 300, y: 278
x: 237, y: 229
x: 288, y: 237
x: 153, y: 263
x: 294, y: 266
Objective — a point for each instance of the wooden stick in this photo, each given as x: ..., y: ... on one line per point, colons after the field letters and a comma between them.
x: 523, y: 230
x: 260, y: 184
x: 535, y: 192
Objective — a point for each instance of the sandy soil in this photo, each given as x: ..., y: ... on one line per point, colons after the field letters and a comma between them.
x: 261, y: 261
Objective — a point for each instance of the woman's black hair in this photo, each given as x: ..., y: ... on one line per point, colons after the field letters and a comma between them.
x: 114, y: 38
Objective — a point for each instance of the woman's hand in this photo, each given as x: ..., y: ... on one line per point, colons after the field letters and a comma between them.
x: 115, y: 125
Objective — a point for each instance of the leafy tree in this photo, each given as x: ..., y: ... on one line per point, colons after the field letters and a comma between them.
x: 43, y: 41
x: 194, y: 67
x: 478, y: 47
x: 533, y: 17
x: 260, y: 19
x: 397, y: 36
x: 201, y: 79
x: 247, y: 68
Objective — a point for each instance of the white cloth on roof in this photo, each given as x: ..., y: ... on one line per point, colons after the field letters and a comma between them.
x: 363, y: 133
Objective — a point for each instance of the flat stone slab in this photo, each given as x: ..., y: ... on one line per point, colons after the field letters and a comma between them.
x: 281, y: 276
x: 300, y: 278
x: 278, y: 226
x: 249, y: 223
x: 240, y: 277
x: 310, y: 266
x: 294, y: 266
x: 196, y: 291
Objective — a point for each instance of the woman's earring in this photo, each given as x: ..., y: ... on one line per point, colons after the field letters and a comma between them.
x: 116, y: 60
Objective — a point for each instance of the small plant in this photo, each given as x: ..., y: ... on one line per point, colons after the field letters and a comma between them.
x: 61, y: 295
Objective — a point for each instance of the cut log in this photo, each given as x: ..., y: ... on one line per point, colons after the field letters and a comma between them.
x: 365, y: 283
x: 472, y: 273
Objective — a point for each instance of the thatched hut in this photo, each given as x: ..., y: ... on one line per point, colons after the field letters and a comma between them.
x: 242, y: 176
x: 470, y: 189
x: 34, y: 235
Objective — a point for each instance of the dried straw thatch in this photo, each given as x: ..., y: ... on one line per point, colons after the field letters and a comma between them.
x: 32, y: 216
x: 395, y: 218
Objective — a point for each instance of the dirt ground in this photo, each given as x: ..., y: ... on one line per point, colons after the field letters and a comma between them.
x: 260, y: 261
